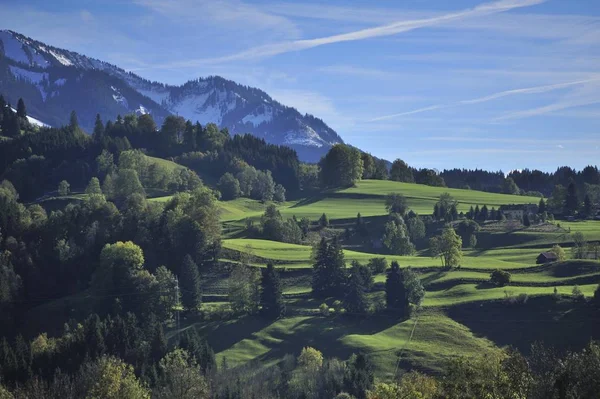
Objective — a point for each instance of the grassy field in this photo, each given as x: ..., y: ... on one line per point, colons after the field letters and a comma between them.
x: 436, y: 337
x: 462, y: 313
x: 368, y: 198
x: 300, y: 256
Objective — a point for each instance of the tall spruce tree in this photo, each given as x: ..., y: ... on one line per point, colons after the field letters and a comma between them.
x: 21, y: 110
x: 359, y: 376
x: 329, y: 273
x: 572, y: 201
x: 98, y: 128
x: 395, y: 292
x: 355, y: 301
x: 191, y: 291
x: 271, y: 297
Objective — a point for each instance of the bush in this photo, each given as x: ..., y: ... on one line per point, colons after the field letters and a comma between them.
x: 324, y: 309
x: 378, y: 265
x: 500, y: 278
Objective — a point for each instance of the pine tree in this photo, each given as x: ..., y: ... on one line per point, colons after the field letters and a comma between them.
x: 572, y: 201
x: 271, y: 297
x: 359, y: 376
x: 436, y: 211
x: 395, y: 291
x: 98, y: 129
x: 21, y: 110
x: 355, y: 301
x: 73, y: 122
x: 476, y: 213
x: 587, y: 206
x: 526, y: 221
x: 484, y: 213
x: 324, y: 221
x: 191, y: 291
x: 471, y: 214
x: 329, y: 274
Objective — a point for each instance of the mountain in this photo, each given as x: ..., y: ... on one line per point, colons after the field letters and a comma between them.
x: 53, y: 82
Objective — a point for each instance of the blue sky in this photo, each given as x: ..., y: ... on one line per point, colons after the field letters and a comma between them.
x: 506, y: 84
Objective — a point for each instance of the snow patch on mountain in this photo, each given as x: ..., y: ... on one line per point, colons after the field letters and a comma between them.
x: 61, y: 58
x: 30, y: 76
x: 13, y: 48
x: 261, y: 115
x: 142, y: 110
x: 60, y: 82
x: 32, y: 120
x: 307, y: 137
x: 118, y: 97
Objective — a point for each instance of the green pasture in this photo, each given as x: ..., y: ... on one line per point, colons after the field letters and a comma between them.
x: 300, y: 256
x: 436, y: 338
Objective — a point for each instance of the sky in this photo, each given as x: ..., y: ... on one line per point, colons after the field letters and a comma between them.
x: 496, y: 85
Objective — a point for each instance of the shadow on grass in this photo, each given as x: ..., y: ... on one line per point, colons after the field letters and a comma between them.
x: 290, y: 335
x: 325, y: 334
x: 564, y: 324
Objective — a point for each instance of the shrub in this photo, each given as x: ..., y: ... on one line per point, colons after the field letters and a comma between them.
x: 500, y: 278
x: 378, y: 265
x: 324, y: 309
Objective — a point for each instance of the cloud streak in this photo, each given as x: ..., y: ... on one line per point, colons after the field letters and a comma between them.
x: 270, y: 50
x: 495, y: 96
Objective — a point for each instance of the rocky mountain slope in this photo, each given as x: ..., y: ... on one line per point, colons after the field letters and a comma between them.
x: 53, y: 82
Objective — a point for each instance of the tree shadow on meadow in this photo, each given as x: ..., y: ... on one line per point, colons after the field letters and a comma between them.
x: 561, y: 324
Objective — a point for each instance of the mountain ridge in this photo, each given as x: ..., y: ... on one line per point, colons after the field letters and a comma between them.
x: 54, y: 81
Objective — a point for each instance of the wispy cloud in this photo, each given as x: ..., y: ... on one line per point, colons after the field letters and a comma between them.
x: 234, y: 14
x: 585, y: 95
x: 510, y: 140
x: 270, y: 50
x: 495, y: 96
x: 351, y: 70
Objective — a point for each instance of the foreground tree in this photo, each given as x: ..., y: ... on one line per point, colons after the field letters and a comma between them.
x: 111, y: 378
x: 180, y: 378
x: 359, y: 376
x: 271, y: 296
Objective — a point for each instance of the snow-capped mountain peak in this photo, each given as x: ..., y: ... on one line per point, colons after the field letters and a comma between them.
x: 65, y: 80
